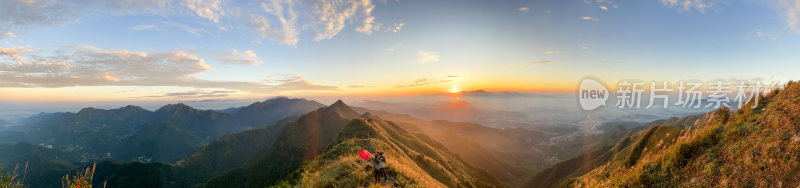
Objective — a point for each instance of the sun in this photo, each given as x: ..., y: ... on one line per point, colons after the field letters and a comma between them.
x: 454, y: 90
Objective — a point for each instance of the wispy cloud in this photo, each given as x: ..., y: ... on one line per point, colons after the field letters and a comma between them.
x: 21, y: 15
x: 7, y: 34
x: 247, y: 57
x: 431, y: 80
x: 426, y: 56
x: 332, y: 16
x: 396, y: 27
x: 590, y: 18
x: 15, y: 53
x: 145, y: 27
x: 526, y: 64
x: 524, y: 9
x: 196, y: 94
x: 687, y: 5
x: 545, y: 62
x: 791, y: 10
x: 550, y: 52
x: 276, y: 20
x: 208, y: 9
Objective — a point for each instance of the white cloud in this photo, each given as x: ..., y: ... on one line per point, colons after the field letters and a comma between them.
x: 283, y: 11
x: 144, y: 27
x: 27, y: 13
x: 687, y: 5
x: 280, y: 20
x: 91, y: 66
x: 209, y: 9
x: 791, y: 9
x: 241, y: 58
x: 22, y: 15
x: 524, y: 9
x: 369, y: 26
x: 590, y: 18
x: 397, y: 27
x: 289, y: 82
x: 331, y: 16
x: 545, y: 62
x: 549, y: 52
x: 15, y: 53
x: 605, y: 4
x: 8, y: 34
x: 427, y: 57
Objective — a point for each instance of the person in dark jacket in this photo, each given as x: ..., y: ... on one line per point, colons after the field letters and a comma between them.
x: 379, y: 162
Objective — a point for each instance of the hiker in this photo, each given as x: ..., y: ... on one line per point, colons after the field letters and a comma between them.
x: 379, y: 163
x: 382, y: 165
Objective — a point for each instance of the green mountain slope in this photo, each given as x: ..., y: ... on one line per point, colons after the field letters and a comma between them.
x: 299, y: 141
x: 749, y: 148
x: 231, y: 151
x: 158, y: 142
x: 43, y: 164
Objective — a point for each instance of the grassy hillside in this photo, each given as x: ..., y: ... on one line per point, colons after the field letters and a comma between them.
x: 749, y: 148
x: 632, y: 143
x: 414, y: 160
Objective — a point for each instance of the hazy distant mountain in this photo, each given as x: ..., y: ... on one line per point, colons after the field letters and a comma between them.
x: 133, y: 133
x: 272, y: 110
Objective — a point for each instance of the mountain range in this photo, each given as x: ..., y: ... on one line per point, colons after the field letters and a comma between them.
x: 284, y: 142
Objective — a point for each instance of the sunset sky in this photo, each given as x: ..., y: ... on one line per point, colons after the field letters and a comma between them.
x: 86, y: 50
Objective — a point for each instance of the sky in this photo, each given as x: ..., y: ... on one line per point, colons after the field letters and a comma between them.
x: 141, y: 50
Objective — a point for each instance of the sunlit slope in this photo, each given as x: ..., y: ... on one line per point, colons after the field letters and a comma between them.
x: 414, y: 160
x: 752, y: 147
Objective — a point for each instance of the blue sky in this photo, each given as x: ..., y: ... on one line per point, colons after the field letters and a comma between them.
x: 86, y: 50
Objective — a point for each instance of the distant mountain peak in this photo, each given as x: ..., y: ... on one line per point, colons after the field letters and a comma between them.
x: 131, y: 107
x: 175, y: 107
x: 340, y: 107
x: 87, y: 109
x: 339, y: 102
x: 278, y: 98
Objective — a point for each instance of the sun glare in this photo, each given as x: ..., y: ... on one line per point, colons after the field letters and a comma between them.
x: 454, y: 90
